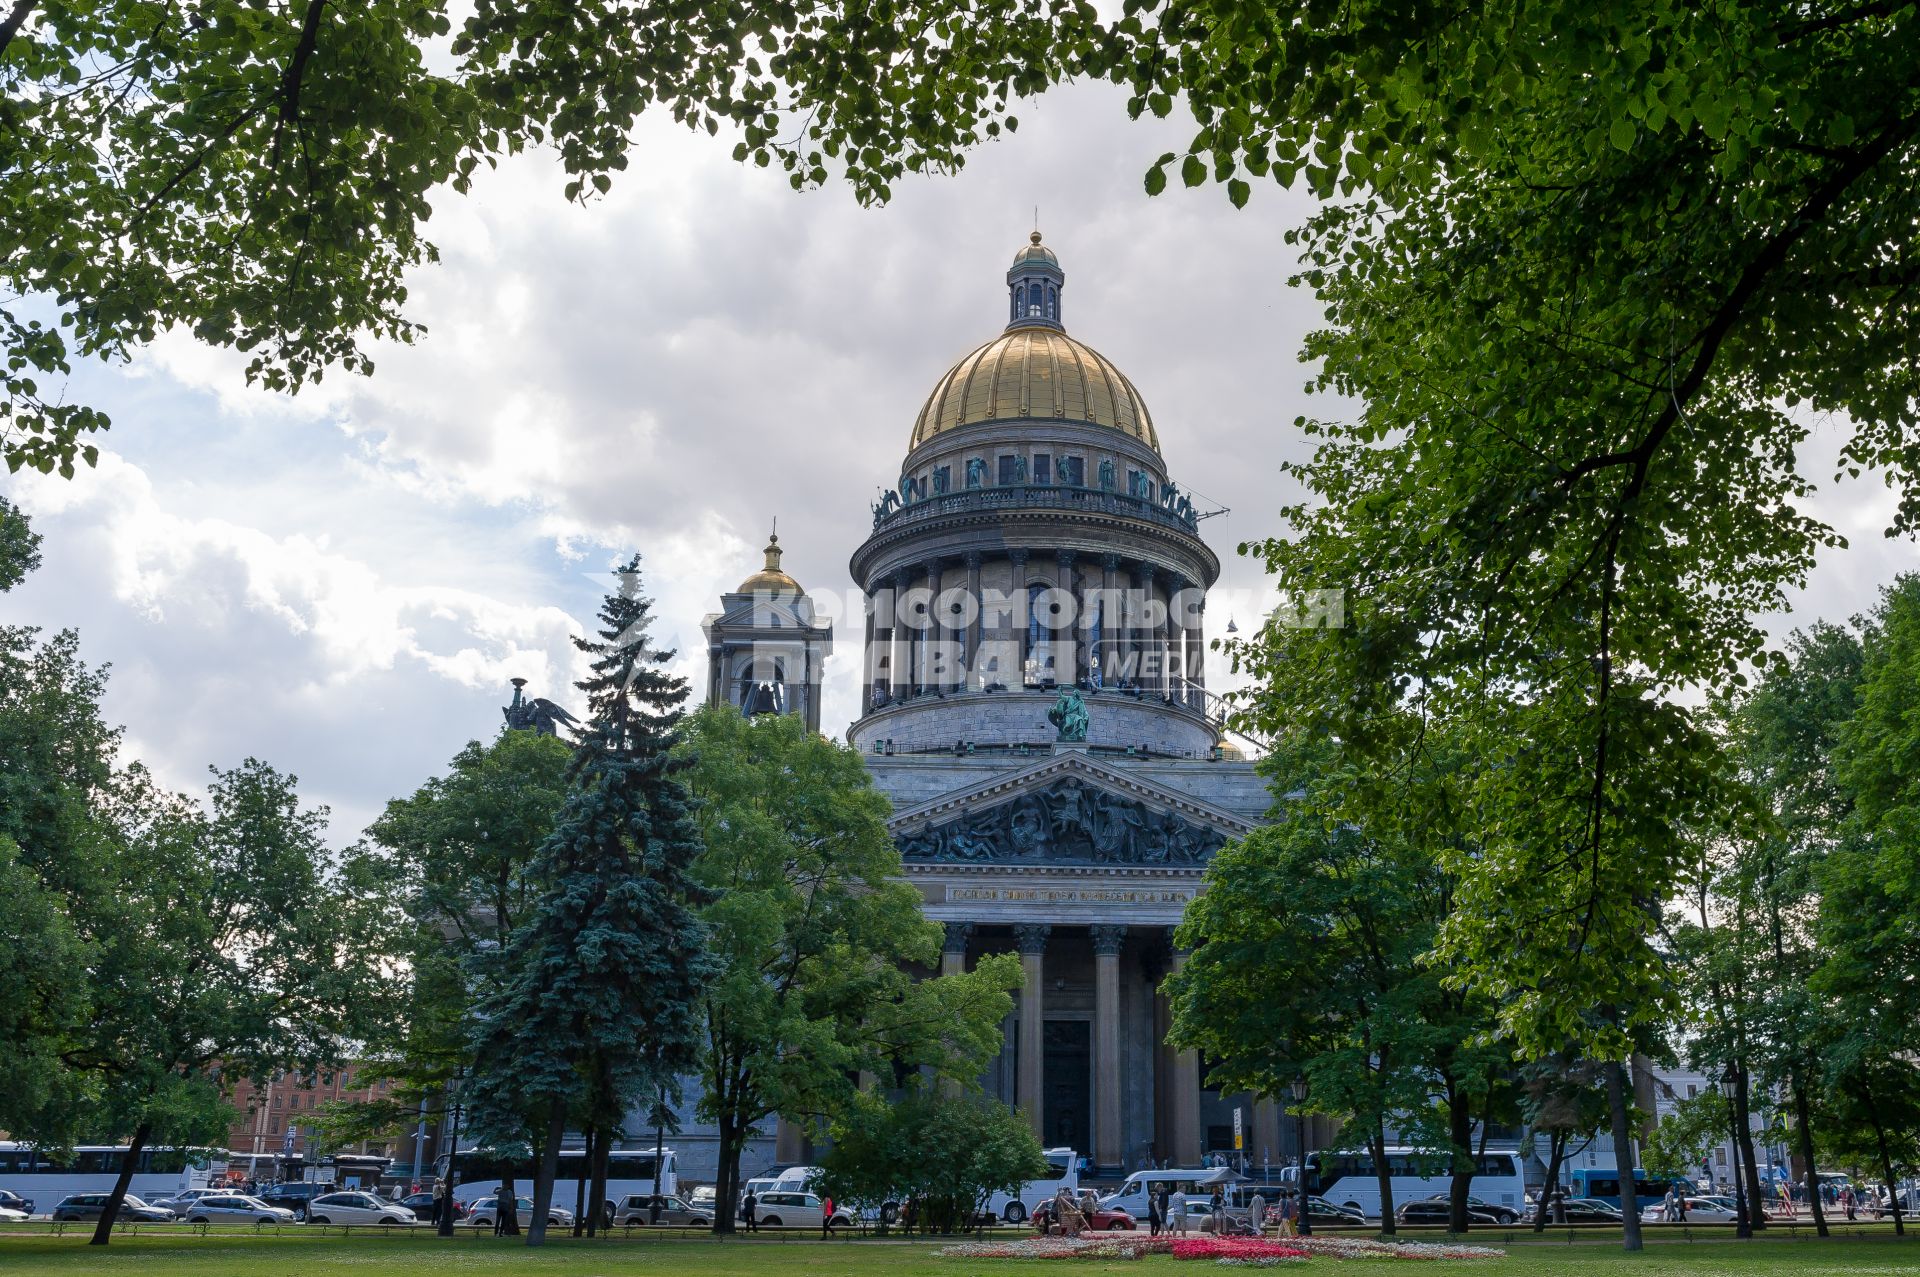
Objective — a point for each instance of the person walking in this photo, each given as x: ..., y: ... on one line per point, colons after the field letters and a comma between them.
x: 1177, y: 1212
x: 826, y: 1218
x: 1257, y: 1215
x: 748, y: 1205
x: 1287, y: 1210
x: 504, y: 1211
x: 1156, y: 1211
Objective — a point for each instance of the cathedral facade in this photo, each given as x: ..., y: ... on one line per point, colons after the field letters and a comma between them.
x: 1034, y: 703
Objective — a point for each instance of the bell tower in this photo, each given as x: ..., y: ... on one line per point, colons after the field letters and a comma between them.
x: 765, y: 653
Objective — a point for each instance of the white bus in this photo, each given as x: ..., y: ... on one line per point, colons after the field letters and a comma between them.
x: 628, y: 1171
x: 1016, y: 1207
x: 94, y: 1168
x: 1349, y: 1179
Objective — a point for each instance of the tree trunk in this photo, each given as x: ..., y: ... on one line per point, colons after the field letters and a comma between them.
x: 1803, y: 1119
x: 1886, y: 1163
x: 543, y: 1176
x: 726, y: 1190
x: 1623, y: 1155
x: 1460, y: 1135
x: 510, y: 1226
x: 1756, y: 1216
x: 1377, y: 1145
x: 597, y: 1189
x: 104, y: 1229
x: 580, y: 1186
x: 1556, y: 1150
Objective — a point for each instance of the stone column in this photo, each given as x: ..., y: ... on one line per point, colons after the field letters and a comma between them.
x: 789, y: 1142
x: 1017, y: 588
x: 1031, y: 1078
x: 926, y: 634
x: 1108, y: 1143
x: 1146, y: 680
x: 900, y: 679
x: 1070, y: 671
x: 1109, y: 632
x: 1185, y: 1096
x: 1163, y: 636
x: 868, y: 653
x: 953, y: 961
x: 974, y: 626
x: 1177, y: 640
x: 1266, y: 1135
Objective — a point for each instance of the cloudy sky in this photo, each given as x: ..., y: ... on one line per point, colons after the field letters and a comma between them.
x: 343, y: 582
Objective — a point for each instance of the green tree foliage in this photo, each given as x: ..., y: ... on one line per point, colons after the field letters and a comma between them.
x: 595, y: 1004
x: 1868, y: 928
x: 455, y: 853
x: 1680, y: 1143
x: 815, y: 930
x: 1309, y: 954
x: 944, y: 1153
x: 19, y: 546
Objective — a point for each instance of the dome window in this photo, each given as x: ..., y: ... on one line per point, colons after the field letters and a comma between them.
x: 1073, y: 472
x: 1042, y: 467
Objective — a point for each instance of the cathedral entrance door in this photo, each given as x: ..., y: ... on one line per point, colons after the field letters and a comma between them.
x: 1067, y: 1071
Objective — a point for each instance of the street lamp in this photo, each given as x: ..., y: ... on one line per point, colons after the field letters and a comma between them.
x: 1300, y: 1131
x: 1729, y: 1086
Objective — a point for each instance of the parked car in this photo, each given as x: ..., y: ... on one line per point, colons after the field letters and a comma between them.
x: 79, y: 1206
x: 1590, y: 1210
x: 1321, y: 1211
x: 8, y: 1215
x: 357, y: 1208
x: 1439, y: 1210
x: 179, y: 1203
x: 294, y: 1195
x: 484, y: 1214
x: 1700, y: 1210
x: 421, y: 1204
x: 1106, y: 1219
x: 13, y: 1201
x: 702, y: 1198
x: 637, y: 1208
x: 797, y: 1210
x: 238, y: 1208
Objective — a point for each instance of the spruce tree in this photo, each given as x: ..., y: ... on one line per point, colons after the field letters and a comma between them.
x: 600, y: 982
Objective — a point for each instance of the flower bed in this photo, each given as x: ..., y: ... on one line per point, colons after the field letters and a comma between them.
x: 1247, y: 1252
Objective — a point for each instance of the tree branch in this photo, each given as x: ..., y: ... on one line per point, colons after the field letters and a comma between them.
x: 296, y: 72
x: 15, y: 16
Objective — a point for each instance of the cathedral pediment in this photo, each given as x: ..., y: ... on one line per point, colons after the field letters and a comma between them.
x: 1068, y: 809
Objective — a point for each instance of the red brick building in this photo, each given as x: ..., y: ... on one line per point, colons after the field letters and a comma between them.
x: 291, y: 1102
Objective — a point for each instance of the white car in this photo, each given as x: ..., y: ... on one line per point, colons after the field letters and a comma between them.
x: 237, y: 1208
x: 182, y: 1202
x: 484, y: 1214
x: 1700, y: 1210
x: 796, y: 1210
x: 357, y: 1208
x: 8, y: 1215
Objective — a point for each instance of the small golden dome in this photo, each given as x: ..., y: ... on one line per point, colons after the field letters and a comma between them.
x: 770, y: 579
x: 1035, y: 252
x: 1036, y: 373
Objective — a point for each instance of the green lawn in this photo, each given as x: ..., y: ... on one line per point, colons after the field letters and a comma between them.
x: 294, y: 1254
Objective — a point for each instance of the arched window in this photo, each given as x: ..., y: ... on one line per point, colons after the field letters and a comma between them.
x: 1053, y: 302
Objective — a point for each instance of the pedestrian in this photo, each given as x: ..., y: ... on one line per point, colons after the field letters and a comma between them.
x: 748, y: 1205
x: 504, y: 1211
x: 1156, y: 1211
x: 1257, y: 1215
x: 1848, y: 1200
x: 826, y: 1218
x: 1177, y: 1212
x: 1680, y: 1204
x: 1288, y: 1210
x: 439, y: 1201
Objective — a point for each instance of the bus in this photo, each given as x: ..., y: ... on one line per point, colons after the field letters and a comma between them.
x: 629, y: 1171
x: 341, y: 1170
x: 1350, y: 1179
x: 1602, y: 1184
x: 43, y: 1178
x: 1063, y: 1170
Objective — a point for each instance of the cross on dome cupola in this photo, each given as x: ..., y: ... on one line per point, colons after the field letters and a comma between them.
x: 1034, y: 282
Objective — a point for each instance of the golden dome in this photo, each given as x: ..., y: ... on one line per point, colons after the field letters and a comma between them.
x: 770, y: 579
x: 1035, y: 372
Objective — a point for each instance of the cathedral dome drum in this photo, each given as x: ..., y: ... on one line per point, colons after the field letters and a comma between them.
x: 1035, y: 542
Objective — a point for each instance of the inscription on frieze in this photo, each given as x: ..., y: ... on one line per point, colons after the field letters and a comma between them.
x: 1067, y: 823
x: 1070, y: 895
